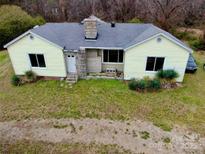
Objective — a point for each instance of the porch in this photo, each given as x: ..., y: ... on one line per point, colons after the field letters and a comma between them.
x: 95, y: 63
x: 105, y: 63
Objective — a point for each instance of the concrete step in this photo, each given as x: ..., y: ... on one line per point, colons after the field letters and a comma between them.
x: 72, y: 78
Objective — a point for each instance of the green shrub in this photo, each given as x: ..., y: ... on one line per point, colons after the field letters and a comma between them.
x: 15, y: 80
x: 14, y: 21
x: 31, y: 76
x: 132, y: 84
x: 197, y: 44
x: 167, y: 74
x: 141, y: 84
x: 154, y: 84
x: 144, y: 84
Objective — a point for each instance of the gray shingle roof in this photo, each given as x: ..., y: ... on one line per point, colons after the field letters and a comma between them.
x: 71, y: 35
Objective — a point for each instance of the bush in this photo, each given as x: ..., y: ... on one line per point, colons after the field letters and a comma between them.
x: 14, y: 21
x: 144, y: 84
x: 197, y: 44
x: 141, y: 85
x: 132, y: 84
x: 154, y: 84
x: 15, y: 80
x: 31, y: 76
x: 167, y: 74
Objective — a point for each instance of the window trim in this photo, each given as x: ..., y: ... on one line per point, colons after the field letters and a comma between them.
x: 116, y: 63
x: 42, y: 68
x: 153, y: 71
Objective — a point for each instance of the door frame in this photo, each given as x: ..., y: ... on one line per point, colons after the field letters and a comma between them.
x: 66, y: 62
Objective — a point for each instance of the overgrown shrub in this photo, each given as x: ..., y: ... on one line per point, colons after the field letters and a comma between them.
x: 14, y: 21
x: 15, y: 80
x: 144, y: 84
x: 31, y: 76
x: 132, y: 84
x: 197, y: 44
x: 141, y: 85
x: 167, y: 74
x: 154, y: 84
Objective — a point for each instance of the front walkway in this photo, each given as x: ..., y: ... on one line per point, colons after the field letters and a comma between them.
x: 136, y: 136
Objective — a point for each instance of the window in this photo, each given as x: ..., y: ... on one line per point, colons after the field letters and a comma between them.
x: 155, y: 63
x: 113, y: 56
x: 37, y: 60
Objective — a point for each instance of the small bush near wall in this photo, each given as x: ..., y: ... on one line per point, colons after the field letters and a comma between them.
x: 154, y: 84
x: 30, y: 76
x: 132, y: 84
x: 15, y: 80
x: 144, y: 85
x: 167, y: 74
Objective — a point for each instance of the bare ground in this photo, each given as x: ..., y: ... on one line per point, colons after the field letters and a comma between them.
x: 136, y: 136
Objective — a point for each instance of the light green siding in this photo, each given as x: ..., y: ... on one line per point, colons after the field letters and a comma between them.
x: 176, y: 58
x: 54, y: 57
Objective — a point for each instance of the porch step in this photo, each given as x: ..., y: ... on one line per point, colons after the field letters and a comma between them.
x: 72, y: 78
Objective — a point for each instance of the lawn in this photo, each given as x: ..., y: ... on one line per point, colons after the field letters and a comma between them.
x: 105, y: 99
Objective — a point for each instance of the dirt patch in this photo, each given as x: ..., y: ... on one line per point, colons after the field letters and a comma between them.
x: 87, y: 131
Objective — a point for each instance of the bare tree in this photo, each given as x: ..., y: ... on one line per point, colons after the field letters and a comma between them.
x: 166, y: 13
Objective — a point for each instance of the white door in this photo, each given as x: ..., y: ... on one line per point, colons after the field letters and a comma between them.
x: 71, y: 63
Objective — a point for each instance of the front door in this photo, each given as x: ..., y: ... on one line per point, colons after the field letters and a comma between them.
x: 71, y: 63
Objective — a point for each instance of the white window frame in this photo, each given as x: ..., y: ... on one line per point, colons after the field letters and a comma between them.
x: 108, y: 57
x: 155, y: 61
x: 38, y: 67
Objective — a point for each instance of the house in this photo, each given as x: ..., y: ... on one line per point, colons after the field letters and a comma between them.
x: 94, y: 46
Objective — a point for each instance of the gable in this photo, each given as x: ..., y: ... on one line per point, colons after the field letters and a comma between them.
x: 27, y: 35
x: 169, y: 40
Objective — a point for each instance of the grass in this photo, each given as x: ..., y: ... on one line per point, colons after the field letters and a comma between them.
x: 109, y: 99
x: 60, y: 126
x: 145, y: 135
x: 28, y: 147
x: 167, y: 140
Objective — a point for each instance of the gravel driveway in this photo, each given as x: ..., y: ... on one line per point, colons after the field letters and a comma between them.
x: 136, y: 136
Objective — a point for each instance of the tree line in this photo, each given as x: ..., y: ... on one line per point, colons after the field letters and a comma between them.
x: 165, y: 13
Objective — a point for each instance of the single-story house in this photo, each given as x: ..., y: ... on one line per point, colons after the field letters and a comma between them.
x: 94, y: 46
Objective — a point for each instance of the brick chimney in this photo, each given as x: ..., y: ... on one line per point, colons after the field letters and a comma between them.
x: 90, y: 28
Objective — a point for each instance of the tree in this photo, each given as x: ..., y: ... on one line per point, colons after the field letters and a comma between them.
x: 166, y: 13
x: 14, y: 21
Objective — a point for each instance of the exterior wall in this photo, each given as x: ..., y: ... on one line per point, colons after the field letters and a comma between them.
x: 54, y: 57
x: 176, y: 58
